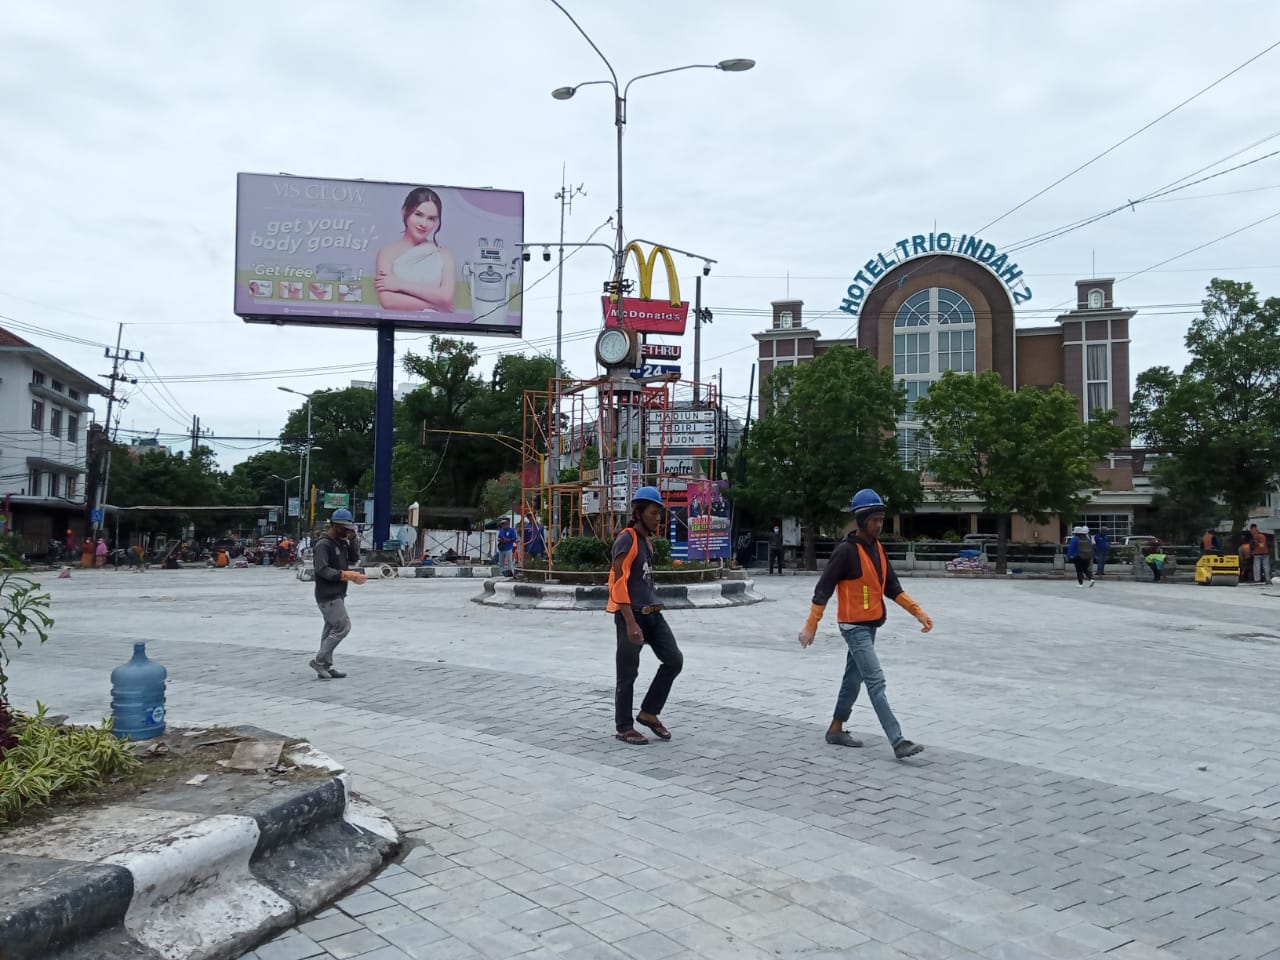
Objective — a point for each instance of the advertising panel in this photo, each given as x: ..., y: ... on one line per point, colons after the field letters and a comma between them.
x: 708, y: 521
x: 355, y: 252
x: 643, y: 313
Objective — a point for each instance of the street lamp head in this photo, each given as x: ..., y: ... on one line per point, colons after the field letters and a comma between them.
x: 564, y: 93
x: 734, y: 65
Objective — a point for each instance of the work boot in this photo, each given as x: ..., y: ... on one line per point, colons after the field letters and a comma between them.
x: 322, y: 672
x: 905, y: 748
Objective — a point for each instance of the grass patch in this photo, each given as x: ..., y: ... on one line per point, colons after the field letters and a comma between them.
x: 142, y: 766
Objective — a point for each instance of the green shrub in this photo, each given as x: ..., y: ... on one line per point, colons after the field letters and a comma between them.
x: 582, y: 553
x: 22, y: 611
x: 48, y: 761
x: 661, y: 552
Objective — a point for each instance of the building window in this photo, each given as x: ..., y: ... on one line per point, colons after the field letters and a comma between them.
x: 1114, y: 525
x: 786, y: 319
x: 37, y: 378
x: 37, y: 414
x: 956, y: 350
x: 71, y: 486
x: 55, y: 422
x: 53, y: 484
x: 911, y: 353
x: 73, y: 428
x: 1095, y: 299
x: 59, y: 386
x: 926, y: 312
x: 1097, y: 377
x: 74, y: 394
x: 33, y: 483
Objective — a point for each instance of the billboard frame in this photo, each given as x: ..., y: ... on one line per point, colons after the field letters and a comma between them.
x: 375, y: 322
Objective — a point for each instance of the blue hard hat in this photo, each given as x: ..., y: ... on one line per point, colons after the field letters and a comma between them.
x: 866, y: 501
x: 649, y: 495
x: 343, y: 516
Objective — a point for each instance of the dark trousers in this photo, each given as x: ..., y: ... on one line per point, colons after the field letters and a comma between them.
x: 1082, y: 569
x: 1155, y: 571
x: 775, y: 553
x: 657, y: 636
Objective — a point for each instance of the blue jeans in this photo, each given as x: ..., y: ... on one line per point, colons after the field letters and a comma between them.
x: 863, y: 667
x: 506, y: 562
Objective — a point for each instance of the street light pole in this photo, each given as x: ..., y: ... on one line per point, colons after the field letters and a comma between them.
x: 286, y: 481
x: 305, y: 490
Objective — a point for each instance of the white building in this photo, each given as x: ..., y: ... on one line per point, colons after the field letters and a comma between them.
x: 44, y: 457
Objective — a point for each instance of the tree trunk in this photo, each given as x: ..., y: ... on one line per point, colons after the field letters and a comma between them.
x: 810, y: 547
x: 1002, y: 543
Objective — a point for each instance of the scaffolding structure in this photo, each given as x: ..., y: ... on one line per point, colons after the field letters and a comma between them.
x: 633, y: 429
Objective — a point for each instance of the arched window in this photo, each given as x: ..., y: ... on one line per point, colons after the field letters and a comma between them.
x: 934, y: 330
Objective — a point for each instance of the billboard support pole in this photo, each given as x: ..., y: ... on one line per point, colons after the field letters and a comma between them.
x: 383, y: 434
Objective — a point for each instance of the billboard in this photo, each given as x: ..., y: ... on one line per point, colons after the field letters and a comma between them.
x: 356, y: 252
x: 708, y: 521
x: 643, y: 313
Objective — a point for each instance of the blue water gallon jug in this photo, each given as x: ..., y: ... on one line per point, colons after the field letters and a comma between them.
x: 137, y: 697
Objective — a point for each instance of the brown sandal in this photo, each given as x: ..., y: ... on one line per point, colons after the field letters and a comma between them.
x: 661, y: 732
x: 631, y: 736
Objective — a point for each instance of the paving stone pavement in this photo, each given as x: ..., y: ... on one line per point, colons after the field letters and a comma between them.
x: 1059, y: 809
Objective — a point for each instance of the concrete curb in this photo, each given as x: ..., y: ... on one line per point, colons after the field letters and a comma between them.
x: 515, y: 594
x: 210, y: 890
x: 388, y: 572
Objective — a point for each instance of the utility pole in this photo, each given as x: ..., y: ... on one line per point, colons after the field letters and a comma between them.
x: 699, y: 315
x: 565, y: 195
x: 92, y: 496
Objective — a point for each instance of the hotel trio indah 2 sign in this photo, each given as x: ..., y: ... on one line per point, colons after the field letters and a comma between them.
x: 926, y: 244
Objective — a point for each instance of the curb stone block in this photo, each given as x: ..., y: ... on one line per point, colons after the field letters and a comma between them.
x: 549, y: 596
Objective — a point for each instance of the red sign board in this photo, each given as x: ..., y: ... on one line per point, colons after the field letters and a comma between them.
x: 647, y: 316
x: 660, y: 351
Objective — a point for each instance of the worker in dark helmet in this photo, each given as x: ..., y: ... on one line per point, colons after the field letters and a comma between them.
x: 861, y: 575
x: 637, y: 616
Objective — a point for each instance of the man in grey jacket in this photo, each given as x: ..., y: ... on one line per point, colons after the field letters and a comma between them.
x: 334, y: 554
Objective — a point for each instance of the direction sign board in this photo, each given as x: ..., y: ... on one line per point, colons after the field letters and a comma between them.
x: 334, y: 501
x: 681, y: 429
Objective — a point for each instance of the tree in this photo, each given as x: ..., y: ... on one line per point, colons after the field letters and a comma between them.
x: 252, y: 481
x: 829, y: 431
x: 1217, y: 420
x: 342, y: 425
x: 500, y: 495
x: 1024, y: 451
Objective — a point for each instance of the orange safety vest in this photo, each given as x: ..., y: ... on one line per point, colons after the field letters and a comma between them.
x: 862, y: 600
x: 1206, y: 542
x: 619, y: 591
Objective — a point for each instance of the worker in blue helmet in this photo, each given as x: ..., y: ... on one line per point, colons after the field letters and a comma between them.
x: 860, y: 573
x: 333, y: 556
x: 637, y: 616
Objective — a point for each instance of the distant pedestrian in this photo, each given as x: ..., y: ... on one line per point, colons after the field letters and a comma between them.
x: 1101, y: 547
x: 1261, y: 554
x: 335, y: 553
x: 638, y: 620
x: 506, y: 548
x: 775, y: 548
x: 1080, y: 553
x: 860, y: 574
x: 1209, y: 542
x: 100, y: 553
x: 535, y: 538
x: 1156, y: 560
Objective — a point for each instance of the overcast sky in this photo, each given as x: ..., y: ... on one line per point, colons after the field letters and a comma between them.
x: 123, y: 125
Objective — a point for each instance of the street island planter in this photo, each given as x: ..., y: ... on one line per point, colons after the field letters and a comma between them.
x: 677, y: 589
x: 589, y: 578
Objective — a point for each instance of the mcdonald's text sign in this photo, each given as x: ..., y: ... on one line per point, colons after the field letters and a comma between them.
x: 647, y: 316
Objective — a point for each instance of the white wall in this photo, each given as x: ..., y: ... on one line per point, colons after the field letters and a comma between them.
x: 18, y: 440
